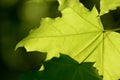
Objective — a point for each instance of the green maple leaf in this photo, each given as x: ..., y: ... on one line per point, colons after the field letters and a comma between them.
x: 64, y: 68
x: 79, y: 34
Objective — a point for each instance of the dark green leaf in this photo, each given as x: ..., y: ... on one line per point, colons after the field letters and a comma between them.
x: 65, y: 68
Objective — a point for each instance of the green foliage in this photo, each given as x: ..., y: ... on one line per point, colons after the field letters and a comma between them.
x: 107, y: 5
x: 64, y: 68
x: 80, y: 34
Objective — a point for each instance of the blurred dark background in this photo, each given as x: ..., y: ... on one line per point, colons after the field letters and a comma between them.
x: 17, y: 18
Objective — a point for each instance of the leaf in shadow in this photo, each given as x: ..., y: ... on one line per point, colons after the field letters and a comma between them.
x: 64, y: 68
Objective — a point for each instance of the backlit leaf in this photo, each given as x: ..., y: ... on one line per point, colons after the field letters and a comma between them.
x: 80, y: 34
x: 107, y: 5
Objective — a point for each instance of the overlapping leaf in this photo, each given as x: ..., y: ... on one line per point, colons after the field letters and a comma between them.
x: 80, y: 34
x: 64, y: 68
x: 107, y: 5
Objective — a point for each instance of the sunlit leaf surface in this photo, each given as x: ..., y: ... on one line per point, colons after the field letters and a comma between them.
x: 79, y: 34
